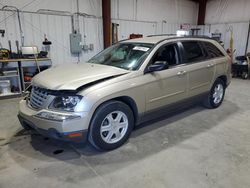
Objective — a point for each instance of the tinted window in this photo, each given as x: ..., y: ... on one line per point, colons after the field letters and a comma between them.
x: 193, y: 51
x: 167, y: 53
x: 212, y: 50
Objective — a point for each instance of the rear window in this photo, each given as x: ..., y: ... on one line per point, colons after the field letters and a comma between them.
x: 193, y: 51
x: 212, y: 50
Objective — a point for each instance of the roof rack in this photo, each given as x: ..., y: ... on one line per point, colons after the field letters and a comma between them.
x: 198, y: 36
x: 161, y: 35
x: 184, y: 36
x: 190, y: 36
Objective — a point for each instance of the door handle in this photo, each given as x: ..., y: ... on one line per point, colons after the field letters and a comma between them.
x: 181, y: 73
x: 210, y: 65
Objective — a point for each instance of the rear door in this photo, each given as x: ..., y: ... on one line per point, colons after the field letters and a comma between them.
x: 200, y: 68
x: 222, y: 64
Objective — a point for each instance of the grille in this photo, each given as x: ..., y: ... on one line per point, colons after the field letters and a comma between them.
x: 38, y: 97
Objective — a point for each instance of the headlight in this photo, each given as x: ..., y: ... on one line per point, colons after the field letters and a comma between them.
x: 65, y: 103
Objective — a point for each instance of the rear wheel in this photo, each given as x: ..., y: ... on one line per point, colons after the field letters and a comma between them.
x: 216, y: 94
x: 111, y: 125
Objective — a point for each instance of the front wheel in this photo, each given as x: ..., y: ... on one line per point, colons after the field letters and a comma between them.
x: 216, y: 94
x: 111, y: 125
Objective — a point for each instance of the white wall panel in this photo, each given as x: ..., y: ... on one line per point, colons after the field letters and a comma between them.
x: 219, y: 28
x: 92, y: 7
x: 38, y: 4
x: 187, y: 12
x: 223, y: 14
x: 240, y: 31
x: 126, y: 10
x: 91, y: 29
x: 128, y: 27
x: 168, y: 28
x: 173, y: 11
x: 239, y: 36
x: 57, y: 30
x: 204, y: 29
x: 224, y: 11
x: 10, y: 28
x: 168, y: 14
x: 86, y: 6
x: 134, y: 16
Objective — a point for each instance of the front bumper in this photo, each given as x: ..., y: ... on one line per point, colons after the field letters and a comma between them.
x: 68, y: 130
x: 79, y: 136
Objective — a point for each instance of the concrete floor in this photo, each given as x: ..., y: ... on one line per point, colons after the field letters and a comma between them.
x: 195, y: 148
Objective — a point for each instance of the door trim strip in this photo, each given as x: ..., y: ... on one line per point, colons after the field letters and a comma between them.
x: 165, y: 96
x: 201, y: 85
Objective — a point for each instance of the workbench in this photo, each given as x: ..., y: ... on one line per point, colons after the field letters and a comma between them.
x: 19, y: 65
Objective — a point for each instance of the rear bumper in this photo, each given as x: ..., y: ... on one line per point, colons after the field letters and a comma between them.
x: 78, y: 136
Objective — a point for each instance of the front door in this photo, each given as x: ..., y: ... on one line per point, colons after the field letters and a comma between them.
x: 166, y: 86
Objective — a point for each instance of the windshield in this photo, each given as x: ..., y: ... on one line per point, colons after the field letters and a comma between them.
x: 127, y: 56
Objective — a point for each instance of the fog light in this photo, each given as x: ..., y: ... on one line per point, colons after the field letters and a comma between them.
x: 55, y: 116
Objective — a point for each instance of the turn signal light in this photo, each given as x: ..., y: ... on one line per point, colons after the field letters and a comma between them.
x: 73, y: 135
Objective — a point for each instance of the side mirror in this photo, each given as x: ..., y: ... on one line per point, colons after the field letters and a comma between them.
x: 157, y: 66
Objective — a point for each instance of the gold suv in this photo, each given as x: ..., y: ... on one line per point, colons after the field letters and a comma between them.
x: 132, y: 81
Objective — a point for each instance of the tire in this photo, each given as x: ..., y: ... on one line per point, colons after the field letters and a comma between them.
x: 212, y: 100
x: 111, y: 125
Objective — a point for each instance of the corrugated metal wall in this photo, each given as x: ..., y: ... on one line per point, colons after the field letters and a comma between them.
x: 57, y: 30
x: 134, y: 16
x: 226, y: 15
x: 172, y: 11
x: 128, y: 27
x: 227, y: 11
x: 153, y: 16
x: 240, y: 31
x: 91, y: 29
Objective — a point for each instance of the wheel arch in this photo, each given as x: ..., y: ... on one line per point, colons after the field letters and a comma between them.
x: 224, y: 79
x: 125, y: 99
x: 131, y: 103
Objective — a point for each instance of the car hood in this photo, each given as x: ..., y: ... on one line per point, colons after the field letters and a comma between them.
x: 71, y: 77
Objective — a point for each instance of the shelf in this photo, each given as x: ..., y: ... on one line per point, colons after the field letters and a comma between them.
x: 10, y: 95
x: 9, y: 76
x: 22, y: 66
x: 23, y: 60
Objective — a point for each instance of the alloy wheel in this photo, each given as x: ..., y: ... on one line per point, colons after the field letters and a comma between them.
x: 218, y: 93
x: 114, y: 127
